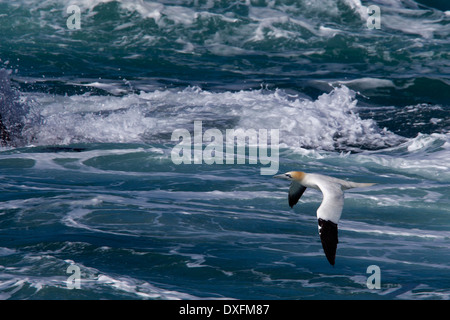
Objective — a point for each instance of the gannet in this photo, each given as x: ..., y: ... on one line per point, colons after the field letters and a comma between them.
x: 329, y: 212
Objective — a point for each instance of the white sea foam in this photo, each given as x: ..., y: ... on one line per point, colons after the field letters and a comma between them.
x: 361, y: 227
x: 366, y: 83
x: 425, y: 156
x: 328, y: 123
x: 403, y: 16
x: 14, y: 280
x: 140, y: 289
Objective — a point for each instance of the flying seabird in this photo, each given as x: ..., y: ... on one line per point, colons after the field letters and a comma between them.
x: 330, y: 210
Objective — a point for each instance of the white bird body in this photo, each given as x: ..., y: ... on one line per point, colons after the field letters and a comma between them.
x: 330, y: 210
x: 333, y: 194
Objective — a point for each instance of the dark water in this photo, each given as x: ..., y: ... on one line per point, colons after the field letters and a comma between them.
x: 87, y: 176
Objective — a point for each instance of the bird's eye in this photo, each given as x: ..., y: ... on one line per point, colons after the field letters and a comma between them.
x: 288, y: 175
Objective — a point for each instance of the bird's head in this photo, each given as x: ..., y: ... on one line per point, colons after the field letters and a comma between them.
x: 291, y: 175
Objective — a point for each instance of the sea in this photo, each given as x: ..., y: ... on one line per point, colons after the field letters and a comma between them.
x: 109, y: 110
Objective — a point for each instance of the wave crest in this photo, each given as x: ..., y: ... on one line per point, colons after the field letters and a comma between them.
x: 331, y: 122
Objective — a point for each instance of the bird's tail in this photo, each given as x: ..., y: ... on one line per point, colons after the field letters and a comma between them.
x: 350, y: 184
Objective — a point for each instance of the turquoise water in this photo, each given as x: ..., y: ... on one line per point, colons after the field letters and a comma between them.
x: 88, y: 180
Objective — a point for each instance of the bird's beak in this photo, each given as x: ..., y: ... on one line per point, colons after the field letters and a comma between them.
x: 280, y: 176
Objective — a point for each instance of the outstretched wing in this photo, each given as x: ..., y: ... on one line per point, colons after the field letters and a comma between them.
x: 328, y: 232
x: 328, y: 216
x: 332, y: 203
x: 295, y: 192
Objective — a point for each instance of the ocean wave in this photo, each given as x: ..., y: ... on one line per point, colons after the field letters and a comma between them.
x: 39, y: 274
x: 424, y: 156
x: 146, y: 38
x: 331, y: 122
x: 87, y: 117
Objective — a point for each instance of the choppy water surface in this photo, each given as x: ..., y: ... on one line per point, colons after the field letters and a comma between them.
x: 87, y: 177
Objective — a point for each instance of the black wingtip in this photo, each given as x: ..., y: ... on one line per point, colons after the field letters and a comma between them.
x: 295, y: 192
x: 328, y: 232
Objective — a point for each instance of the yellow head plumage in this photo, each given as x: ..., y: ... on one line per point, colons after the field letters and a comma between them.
x: 292, y: 175
x: 296, y: 175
